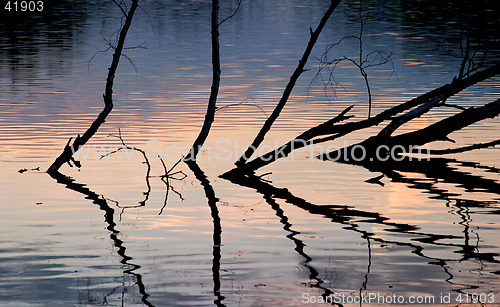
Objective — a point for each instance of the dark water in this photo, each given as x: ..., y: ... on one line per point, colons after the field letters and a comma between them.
x: 432, y: 232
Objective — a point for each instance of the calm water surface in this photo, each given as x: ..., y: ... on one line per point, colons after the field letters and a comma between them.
x: 433, y: 233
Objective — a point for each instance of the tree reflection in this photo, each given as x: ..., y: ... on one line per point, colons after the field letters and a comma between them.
x: 413, y: 237
x: 299, y: 248
x: 352, y: 219
x: 109, y: 219
x: 442, y: 170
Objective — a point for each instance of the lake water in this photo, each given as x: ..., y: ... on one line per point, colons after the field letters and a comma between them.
x: 311, y: 228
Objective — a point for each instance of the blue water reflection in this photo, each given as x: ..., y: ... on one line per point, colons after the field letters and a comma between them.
x: 318, y: 228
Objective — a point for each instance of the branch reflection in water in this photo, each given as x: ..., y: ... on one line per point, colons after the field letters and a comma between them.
x: 109, y: 218
x: 217, y: 240
x: 438, y: 170
x: 287, y: 226
x: 299, y: 248
x: 434, y: 170
x: 353, y: 218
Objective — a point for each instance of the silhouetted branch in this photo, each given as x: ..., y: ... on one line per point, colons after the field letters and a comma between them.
x: 298, y: 142
x: 408, y: 116
x: 473, y: 54
x: 244, y: 102
x: 120, y: 7
x: 441, y: 129
x: 79, y: 141
x: 362, y: 63
x: 421, y: 105
x: 166, y: 177
x: 331, y: 129
x: 234, y: 12
x: 288, y: 89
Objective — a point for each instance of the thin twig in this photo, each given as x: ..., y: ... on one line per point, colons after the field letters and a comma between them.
x: 244, y: 102
x: 242, y: 160
x: 166, y: 195
x: 146, y: 161
x: 166, y: 179
x: 173, y: 166
x: 453, y: 106
x: 234, y: 13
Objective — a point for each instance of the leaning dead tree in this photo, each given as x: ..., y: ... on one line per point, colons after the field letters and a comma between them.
x: 473, y: 69
x: 397, y: 115
x: 240, y: 163
x: 67, y: 155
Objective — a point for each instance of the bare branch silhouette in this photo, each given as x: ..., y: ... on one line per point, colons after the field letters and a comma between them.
x: 464, y: 148
x: 332, y: 129
x: 166, y: 179
x: 289, y: 87
x: 243, y: 103
x: 362, y: 63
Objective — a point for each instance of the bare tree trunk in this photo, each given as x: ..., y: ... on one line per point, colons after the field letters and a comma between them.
x: 288, y: 89
x: 216, y: 72
x: 79, y: 141
x: 217, y: 238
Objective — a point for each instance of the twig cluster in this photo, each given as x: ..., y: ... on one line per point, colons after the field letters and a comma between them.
x: 363, y: 62
x: 170, y: 175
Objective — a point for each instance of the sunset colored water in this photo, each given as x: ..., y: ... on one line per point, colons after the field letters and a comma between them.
x: 309, y: 228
